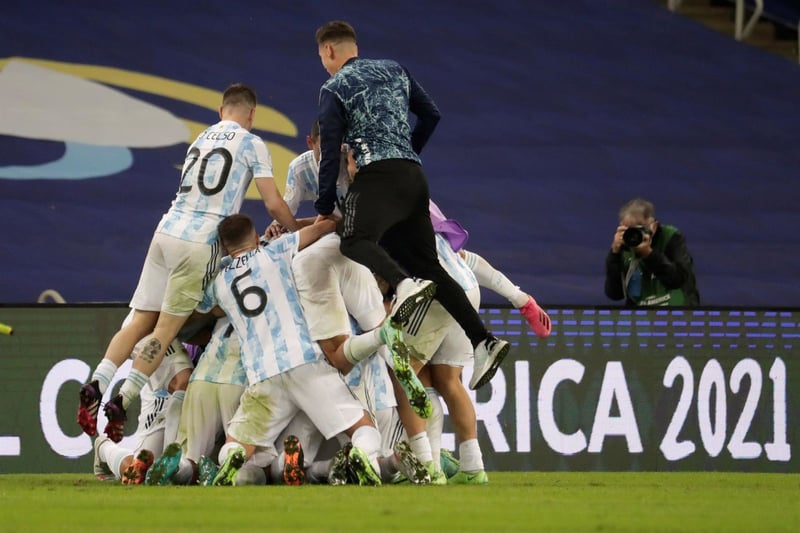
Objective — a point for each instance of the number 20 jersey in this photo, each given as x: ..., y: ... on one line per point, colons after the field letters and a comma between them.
x: 218, y: 169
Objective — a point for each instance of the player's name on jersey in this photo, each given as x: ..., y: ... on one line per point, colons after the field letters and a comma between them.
x: 220, y: 135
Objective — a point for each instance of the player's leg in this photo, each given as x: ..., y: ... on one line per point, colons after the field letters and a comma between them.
x: 189, y: 264
x: 413, y: 244
x: 380, y: 198
x: 493, y: 279
x: 445, y: 374
x: 319, y: 391
x: 265, y: 410
x: 136, y: 326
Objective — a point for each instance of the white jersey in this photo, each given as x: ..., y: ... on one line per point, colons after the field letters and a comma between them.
x: 256, y: 291
x: 218, y: 169
x: 454, y: 264
x: 221, y: 361
x: 302, y: 182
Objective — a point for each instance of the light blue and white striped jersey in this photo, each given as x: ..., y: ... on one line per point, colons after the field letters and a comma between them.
x: 218, y: 169
x: 454, y: 264
x: 257, y: 292
x: 221, y: 361
x: 302, y: 182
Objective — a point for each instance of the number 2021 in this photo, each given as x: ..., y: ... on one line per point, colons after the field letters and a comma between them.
x: 713, y: 433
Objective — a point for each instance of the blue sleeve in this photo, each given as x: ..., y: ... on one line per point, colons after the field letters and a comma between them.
x: 427, y: 113
x: 332, y: 127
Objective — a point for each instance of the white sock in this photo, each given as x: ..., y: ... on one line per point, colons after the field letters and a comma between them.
x: 185, y: 472
x: 421, y: 447
x: 359, y: 347
x: 114, y: 454
x: 132, y: 387
x: 469, y: 453
x: 317, y: 472
x: 389, y: 466
x: 434, y: 424
x: 225, y: 450
x: 251, y: 474
x: 368, y: 440
x: 495, y: 280
x: 172, y: 412
x: 276, y: 467
x: 104, y: 373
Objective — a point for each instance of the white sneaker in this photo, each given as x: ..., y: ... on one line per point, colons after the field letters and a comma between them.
x: 410, y: 294
x: 489, y: 353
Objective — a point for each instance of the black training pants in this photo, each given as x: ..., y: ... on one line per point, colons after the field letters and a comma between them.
x: 388, y: 203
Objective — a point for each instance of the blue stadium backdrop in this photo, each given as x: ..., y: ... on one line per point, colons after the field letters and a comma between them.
x: 554, y: 114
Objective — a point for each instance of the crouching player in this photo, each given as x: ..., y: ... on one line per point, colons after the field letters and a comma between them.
x: 285, y: 368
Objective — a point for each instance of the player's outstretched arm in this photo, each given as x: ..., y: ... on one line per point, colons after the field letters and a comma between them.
x: 312, y: 233
x: 275, y: 203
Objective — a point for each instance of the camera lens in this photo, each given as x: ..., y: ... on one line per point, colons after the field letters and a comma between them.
x: 633, y: 237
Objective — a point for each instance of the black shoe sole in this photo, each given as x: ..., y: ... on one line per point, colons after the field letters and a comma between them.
x: 407, y: 308
x: 498, y: 360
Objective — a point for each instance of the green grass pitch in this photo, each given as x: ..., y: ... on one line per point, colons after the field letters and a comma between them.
x: 545, y: 501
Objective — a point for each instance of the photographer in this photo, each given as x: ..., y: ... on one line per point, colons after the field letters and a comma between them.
x: 648, y: 263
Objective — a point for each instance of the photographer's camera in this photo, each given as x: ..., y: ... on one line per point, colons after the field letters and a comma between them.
x: 633, y: 236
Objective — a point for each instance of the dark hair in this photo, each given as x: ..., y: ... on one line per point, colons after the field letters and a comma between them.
x: 234, y: 230
x: 315, y: 129
x: 238, y: 94
x: 335, y: 31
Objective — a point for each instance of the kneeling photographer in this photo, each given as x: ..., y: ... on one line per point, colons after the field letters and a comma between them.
x: 648, y: 263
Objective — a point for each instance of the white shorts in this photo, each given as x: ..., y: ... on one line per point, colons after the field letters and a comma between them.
x: 390, y: 428
x: 149, y: 433
x: 333, y: 287
x: 439, y: 338
x: 174, y: 275
x: 207, y: 410
x: 268, y: 406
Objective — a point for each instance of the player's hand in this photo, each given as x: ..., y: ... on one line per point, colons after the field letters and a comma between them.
x: 274, y: 230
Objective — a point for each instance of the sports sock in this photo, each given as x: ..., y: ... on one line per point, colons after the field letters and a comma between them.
x: 276, y: 466
x: 225, y: 450
x: 421, y: 447
x: 172, y: 413
x: 359, y: 347
x: 251, y: 474
x: 495, y: 280
x: 317, y: 472
x: 185, y: 472
x: 114, y: 454
x: 368, y: 440
x: 389, y: 466
x: 469, y: 453
x: 132, y: 386
x: 435, y: 423
x: 104, y: 373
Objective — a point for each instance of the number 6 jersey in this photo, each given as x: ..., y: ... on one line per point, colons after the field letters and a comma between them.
x: 257, y: 292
